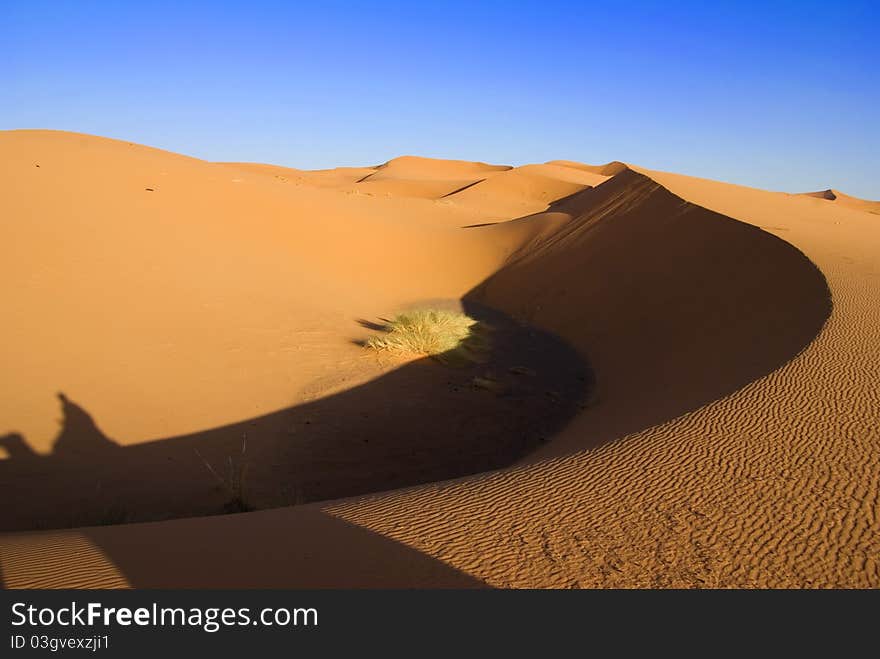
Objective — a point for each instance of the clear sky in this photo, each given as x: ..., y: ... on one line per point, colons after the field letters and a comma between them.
x: 780, y: 95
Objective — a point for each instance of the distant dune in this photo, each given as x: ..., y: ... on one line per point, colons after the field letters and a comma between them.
x: 424, y: 177
x: 608, y: 169
x: 164, y: 312
x: 524, y: 190
x: 845, y: 200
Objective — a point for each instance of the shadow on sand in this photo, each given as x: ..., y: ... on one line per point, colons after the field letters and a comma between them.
x: 420, y: 422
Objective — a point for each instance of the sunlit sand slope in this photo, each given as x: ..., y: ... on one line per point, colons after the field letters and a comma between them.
x: 165, y: 294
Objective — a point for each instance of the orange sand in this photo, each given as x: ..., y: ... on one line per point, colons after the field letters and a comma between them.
x: 732, y: 440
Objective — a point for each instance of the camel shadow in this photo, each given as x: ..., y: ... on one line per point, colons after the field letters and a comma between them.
x: 418, y: 422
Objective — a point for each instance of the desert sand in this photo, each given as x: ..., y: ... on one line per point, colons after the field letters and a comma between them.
x: 160, y: 309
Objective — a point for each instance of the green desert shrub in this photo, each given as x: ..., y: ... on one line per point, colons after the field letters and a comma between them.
x: 449, y: 336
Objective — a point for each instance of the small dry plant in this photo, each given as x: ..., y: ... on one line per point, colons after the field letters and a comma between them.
x: 448, y: 336
x: 234, y: 480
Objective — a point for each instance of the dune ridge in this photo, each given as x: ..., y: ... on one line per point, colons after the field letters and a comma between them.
x: 602, y: 281
x: 732, y: 441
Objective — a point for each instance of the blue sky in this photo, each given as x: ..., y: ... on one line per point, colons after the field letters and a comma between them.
x: 781, y: 95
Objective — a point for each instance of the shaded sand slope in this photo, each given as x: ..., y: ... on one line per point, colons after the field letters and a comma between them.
x: 676, y: 305
x: 362, y: 430
x: 277, y: 540
x: 724, y: 448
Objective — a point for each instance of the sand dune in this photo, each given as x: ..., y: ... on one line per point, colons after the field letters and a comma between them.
x: 608, y: 169
x: 414, y: 167
x: 614, y: 255
x: 138, y: 254
x: 412, y: 176
x: 524, y: 190
x: 842, y: 199
x: 731, y: 438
